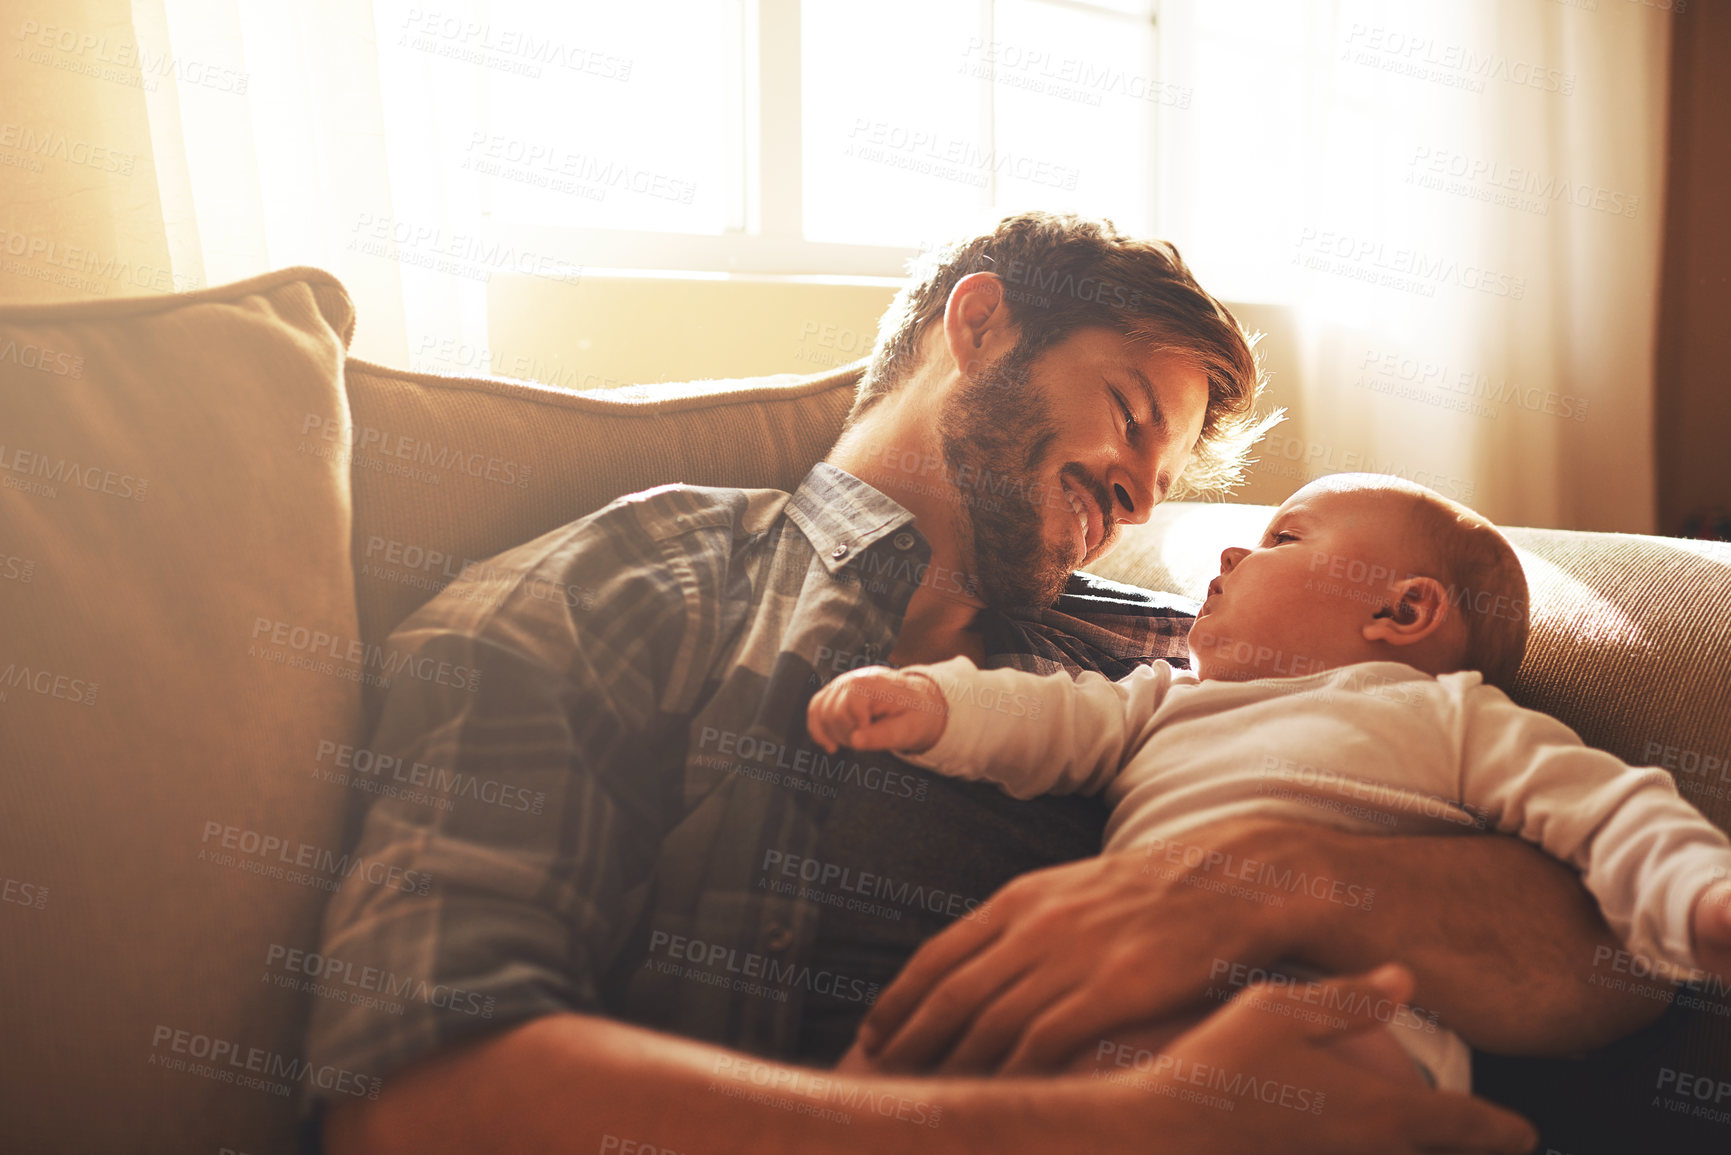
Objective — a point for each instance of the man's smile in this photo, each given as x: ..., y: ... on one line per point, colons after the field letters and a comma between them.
x: 1090, y: 521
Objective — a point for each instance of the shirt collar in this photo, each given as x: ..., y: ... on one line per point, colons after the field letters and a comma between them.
x: 843, y: 516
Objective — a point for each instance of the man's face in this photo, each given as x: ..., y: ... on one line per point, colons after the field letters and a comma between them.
x: 1050, y: 458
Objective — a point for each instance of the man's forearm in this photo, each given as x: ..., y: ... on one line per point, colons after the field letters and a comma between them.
x: 571, y: 1083
x: 1504, y: 940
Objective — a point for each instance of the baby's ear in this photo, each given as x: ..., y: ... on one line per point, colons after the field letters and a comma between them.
x: 1416, y: 609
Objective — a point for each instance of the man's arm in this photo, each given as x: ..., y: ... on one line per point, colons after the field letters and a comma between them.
x: 536, y: 814
x: 571, y: 1083
x: 1502, y: 939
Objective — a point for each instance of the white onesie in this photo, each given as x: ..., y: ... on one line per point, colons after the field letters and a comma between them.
x: 1378, y: 748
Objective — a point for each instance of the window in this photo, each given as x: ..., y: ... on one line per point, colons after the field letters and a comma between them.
x: 768, y: 136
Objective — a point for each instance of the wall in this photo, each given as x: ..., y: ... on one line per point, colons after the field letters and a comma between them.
x: 1693, y: 427
x: 606, y: 331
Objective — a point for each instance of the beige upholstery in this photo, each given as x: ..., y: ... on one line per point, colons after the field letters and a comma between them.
x: 451, y: 470
x: 231, y: 403
x: 174, y: 512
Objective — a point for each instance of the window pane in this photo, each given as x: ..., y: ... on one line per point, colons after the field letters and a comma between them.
x: 591, y: 114
x: 1243, y: 163
x: 1075, y: 94
x: 1142, y: 8
x: 895, y: 142
x: 912, y: 138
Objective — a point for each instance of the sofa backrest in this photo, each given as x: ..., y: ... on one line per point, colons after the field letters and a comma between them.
x: 450, y: 471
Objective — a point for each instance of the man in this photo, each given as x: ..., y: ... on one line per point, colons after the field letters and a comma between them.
x: 700, y: 869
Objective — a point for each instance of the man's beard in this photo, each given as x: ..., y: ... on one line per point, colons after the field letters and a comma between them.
x: 995, y: 430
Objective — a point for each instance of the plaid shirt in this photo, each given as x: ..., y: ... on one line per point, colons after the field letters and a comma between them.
x: 593, y: 812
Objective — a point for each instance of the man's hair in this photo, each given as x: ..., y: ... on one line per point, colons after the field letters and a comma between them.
x: 1486, y: 585
x: 1063, y: 273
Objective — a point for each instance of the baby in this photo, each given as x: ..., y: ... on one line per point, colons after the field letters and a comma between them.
x: 1344, y: 674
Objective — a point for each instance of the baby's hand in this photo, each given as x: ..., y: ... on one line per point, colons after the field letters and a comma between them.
x: 1711, y: 921
x: 878, y: 708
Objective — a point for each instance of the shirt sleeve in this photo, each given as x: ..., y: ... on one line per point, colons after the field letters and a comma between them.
x: 1644, y: 852
x: 525, y: 805
x: 1040, y: 734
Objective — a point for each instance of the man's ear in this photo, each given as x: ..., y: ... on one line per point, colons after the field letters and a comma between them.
x: 1416, y: 609
x: 977, y: 325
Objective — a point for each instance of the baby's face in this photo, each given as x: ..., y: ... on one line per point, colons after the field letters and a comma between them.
x: 1299, y: 601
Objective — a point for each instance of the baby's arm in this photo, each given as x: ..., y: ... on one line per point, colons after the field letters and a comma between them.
x: 1030, y: 734
x: 1659, y: 869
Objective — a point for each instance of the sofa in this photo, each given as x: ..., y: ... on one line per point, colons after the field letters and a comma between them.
x: 210, y: 519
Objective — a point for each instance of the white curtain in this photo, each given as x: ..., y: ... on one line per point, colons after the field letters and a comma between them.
x: 1454, y: 210
x: 278, y: 144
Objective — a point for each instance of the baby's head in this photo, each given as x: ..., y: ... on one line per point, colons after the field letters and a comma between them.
x: 1361, y: 567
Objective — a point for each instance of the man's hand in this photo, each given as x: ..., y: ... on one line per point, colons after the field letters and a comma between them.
x: 1060, y: 956
x: 1502, y: 939
x: 1268, y: 1058
x: 878, y: 708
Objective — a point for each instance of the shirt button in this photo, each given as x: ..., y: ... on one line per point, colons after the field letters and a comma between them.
x: 780, y: 937
x: 903, y: 540
x: 838, y: 552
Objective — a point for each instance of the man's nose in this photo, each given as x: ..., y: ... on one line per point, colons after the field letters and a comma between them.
x: 1230, y: 557
x: 1134, y: 498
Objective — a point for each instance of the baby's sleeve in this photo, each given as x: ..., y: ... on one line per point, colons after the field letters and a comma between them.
x: 1645, y: 853
x: 1038, y: 734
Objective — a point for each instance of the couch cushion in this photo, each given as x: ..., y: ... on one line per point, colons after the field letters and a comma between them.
x: 449, y: 471
x: 157, y: 503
